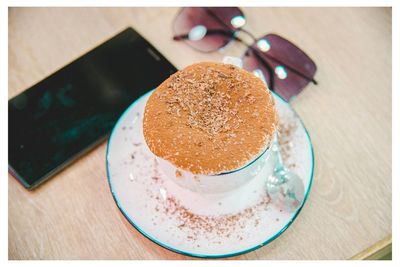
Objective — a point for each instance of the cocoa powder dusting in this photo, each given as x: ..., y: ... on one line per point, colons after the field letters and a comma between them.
x: 208, y: 108
x: 209, y: 118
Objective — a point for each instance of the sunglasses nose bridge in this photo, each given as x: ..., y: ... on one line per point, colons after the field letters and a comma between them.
x: 244, y: 37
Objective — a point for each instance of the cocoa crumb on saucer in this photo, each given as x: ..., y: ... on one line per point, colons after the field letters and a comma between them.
x: 203, y: 224
x: 178, y: 174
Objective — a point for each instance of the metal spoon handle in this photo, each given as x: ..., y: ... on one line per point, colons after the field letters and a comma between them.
x: 276, y: 153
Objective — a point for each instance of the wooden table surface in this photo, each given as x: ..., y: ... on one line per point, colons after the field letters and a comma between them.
x: 348, y: 115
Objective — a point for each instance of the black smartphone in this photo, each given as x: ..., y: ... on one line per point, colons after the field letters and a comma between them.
x: 63, y: 116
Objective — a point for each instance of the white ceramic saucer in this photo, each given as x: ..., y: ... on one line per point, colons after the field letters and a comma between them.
x: 189, y: 223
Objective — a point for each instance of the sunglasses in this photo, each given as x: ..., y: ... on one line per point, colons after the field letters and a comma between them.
x: 284, y: 66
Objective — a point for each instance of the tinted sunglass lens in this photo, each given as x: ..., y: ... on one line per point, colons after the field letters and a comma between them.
x: 207, y: 28
x: 287, y: 68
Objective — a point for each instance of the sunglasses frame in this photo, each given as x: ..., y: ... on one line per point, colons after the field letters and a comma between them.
x: 257, y: 52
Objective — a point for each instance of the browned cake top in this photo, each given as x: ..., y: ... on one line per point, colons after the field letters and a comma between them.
x: 210, y: 118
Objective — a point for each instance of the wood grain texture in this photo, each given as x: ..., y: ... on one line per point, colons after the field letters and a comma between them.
x: 348, y: 115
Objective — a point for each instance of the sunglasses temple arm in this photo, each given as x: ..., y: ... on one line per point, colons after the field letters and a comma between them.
x: 179, y: 37
x: 209, y: 32
x: 213, y: 32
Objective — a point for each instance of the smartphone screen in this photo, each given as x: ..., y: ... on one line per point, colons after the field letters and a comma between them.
x: 72, y: 110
